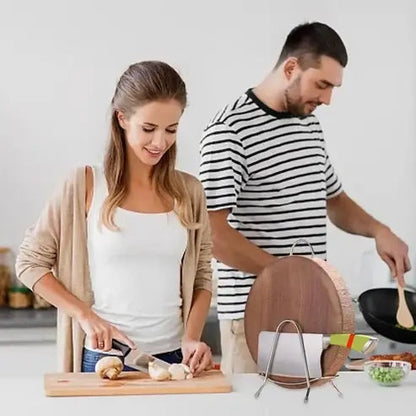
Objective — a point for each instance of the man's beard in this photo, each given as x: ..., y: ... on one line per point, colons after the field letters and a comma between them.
x: 294, y: 104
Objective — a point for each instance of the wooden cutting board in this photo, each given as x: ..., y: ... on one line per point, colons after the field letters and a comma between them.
x: 308, y: 291
x: 131, y: 383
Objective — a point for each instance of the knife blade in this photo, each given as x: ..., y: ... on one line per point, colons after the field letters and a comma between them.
x: 137, y: 359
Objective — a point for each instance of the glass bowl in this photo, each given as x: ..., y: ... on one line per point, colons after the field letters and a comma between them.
x: 387, y: 372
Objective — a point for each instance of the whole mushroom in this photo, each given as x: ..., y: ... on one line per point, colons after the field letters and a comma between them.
x: 109, y: 367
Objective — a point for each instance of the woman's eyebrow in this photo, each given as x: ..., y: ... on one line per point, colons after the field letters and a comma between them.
x: 155, y: 125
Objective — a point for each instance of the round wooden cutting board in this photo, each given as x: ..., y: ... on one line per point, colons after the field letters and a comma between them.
x: 308, y: 291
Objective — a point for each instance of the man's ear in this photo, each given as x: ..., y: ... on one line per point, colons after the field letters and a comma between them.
x: 121, y: 120
x: 289, y: 67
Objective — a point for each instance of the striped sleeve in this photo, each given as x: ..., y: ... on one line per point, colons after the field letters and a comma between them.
x: 333, y: 184
x: 223, y: 171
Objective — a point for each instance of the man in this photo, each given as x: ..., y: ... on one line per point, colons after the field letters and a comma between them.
x: 269, y: 180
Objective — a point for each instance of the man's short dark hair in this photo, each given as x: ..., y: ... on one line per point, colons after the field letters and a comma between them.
x: 309, y: 41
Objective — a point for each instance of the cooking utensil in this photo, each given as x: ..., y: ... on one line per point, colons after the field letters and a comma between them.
x: 136, y: 359
x: 288, y: 357
x: 379, y: 308
x: 403, y: 315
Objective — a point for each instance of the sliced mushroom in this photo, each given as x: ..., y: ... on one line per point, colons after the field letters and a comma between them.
x: 180, y: 371
x: 186, y: 368
x: 177, y: 372
x: 109, y: 367
x: 158, y: 373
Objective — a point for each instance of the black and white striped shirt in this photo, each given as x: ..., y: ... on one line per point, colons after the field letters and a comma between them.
x: 272, y: 171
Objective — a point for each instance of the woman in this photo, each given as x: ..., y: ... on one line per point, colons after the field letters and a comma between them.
x: 123, y: 251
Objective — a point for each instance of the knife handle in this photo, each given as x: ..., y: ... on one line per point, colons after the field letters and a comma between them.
x: 125, y: 349
x: 356, y: 342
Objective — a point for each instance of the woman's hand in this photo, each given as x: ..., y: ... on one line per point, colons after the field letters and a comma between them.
x: 197, y: 355
x: 99, y: 332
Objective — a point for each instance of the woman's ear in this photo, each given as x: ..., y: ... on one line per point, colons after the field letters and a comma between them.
x: 289, y: 67
x: 121, y: 120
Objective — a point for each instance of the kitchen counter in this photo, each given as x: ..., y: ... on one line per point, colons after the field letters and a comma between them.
x: 25, y: 395
x: 27, y: 326
x: 27, y: 318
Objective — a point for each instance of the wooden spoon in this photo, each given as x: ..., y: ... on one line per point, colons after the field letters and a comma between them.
x: 404, y: 317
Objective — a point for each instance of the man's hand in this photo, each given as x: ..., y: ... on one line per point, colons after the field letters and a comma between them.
x: 394, y: 252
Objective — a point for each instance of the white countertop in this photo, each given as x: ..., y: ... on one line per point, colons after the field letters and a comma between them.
x: 25, y: 396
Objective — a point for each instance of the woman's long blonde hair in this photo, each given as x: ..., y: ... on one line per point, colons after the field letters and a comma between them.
x: 140, y: 84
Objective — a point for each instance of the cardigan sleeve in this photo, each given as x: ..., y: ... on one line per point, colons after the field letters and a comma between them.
x: 37, y: 253
x: 203, y: 278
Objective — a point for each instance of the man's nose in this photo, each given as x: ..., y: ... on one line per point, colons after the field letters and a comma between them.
x: 325, y: 96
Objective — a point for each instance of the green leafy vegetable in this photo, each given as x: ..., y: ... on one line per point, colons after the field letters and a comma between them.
x: 412, y: 328
x: 387, y: 376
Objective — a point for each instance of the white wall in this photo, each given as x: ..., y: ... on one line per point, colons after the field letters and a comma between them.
x: 61, y: 60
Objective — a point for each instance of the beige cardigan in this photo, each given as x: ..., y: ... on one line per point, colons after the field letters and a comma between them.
x: 58, y: 243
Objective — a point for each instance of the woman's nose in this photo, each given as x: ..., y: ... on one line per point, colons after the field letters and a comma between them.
x: 158, y: 139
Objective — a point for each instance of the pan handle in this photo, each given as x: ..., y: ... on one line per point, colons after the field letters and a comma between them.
x: 304, y: 241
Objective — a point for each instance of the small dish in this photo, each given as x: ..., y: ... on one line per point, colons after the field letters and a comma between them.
x: 387, y: 372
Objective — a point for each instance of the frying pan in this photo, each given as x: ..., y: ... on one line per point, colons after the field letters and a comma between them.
x: 379, y: 308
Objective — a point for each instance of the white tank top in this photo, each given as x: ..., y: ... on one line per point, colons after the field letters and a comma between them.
x: 135, y: 272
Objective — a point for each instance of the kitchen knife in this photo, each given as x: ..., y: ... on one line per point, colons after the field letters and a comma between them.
x: 288, y: 359
x: 357, y: 342
x: 136, y: 359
